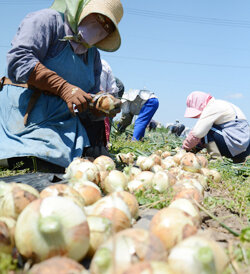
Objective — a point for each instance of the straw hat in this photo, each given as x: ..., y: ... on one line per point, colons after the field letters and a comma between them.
x: 114, y: 11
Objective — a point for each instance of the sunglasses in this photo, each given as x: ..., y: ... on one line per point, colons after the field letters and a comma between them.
x: 106, y: 23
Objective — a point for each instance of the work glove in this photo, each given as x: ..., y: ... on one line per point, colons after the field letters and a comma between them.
x: 44, y: 79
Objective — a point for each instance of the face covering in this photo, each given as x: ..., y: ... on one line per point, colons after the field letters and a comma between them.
x: 90, y: 32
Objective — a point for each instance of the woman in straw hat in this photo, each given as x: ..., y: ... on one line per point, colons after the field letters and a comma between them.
x: 222, y: 127
x: 55, y: 57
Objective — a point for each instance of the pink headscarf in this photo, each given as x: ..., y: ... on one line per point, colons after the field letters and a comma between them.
x: 196, y: 102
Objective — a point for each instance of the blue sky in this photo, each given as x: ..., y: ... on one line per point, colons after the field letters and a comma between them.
x: 170, y: 47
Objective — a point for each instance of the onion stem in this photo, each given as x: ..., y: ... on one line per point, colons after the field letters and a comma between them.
x: 216, y: 219
x: 49, y: 225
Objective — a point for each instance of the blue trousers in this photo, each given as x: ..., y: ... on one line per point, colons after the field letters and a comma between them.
x: 147, y: 112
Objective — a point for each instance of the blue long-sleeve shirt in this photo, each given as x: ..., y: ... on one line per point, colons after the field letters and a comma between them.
x: 38, y: 38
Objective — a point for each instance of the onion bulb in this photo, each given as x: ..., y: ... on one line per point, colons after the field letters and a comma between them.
x: 190, y: 162
x: 131, y: 202
x: 104, y: 163
x: 126, y: 248
x: 88, y: 190
x: 190, y: 175
x: 135, y: 185
x: 149, y: 267
x: 178, y: 156
x: 212, y: 174
x: 190, y: 194
x: 52, y: 226
x: 172, y: 225
x: 82, y: 169
x: 115, y: 209
x: 156, y: 158
x: 145, y: 163
x: 130, y: 172
x: 156, y: 168
x: 14, y: 197
x: 188, y: 207
x: 197, y: 255
x: 160, y: 181
x: 168, y: 163
x: 100, y: 230
x: 203, y: 160
x: 188, y: 183
x: 165, y: 154
x: 7, y: 231
x: 63, y: 191
x: 126, y: 158
x: 115, y: 181
x: 58, y: 265
x: 145, y: 177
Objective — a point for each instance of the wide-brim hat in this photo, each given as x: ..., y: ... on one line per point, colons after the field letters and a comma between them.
x: 114, y: 11
x: 111, y: 8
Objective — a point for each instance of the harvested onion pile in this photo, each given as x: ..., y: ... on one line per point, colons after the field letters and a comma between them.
x: 92, y: 216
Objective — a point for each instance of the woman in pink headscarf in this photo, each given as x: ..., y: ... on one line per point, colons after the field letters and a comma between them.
x: 222, y: 127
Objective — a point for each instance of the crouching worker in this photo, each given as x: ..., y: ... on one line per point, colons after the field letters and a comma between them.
x: 54, y: 70
x: 143, y: 103
x: 222, y: 127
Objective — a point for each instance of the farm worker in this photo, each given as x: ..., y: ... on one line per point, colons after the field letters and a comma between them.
x: 55, y: 52
x: 143, y: 103
x: 222, y: 127
x: 108, y: 84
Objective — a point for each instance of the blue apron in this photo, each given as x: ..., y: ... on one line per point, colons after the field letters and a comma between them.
x: 52, y: 133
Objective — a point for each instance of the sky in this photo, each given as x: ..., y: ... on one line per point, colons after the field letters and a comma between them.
x: 171, y: 47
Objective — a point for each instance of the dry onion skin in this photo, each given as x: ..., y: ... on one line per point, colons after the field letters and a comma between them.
x: 88, y: 190
x: 53, y: 226
x: 14, y: 197
x: 172, y: 225
x: 104, y: 163
x: 187, y: 206
x: 161, y: 181
x: 197, y: 255
x: 156, y: 168
x: 178, y: 156
x: 190, y: 194
x: 145, y: 163
x: 63, y: 191
x: 156, y: 158
x: 168, y: 163
x: 82, y: 169
x: 165, y: 154
x: 203, y: 180
x: 130, y: 200
x: 100, y: 230
x: 115, y: 209
x: 203, y: 160
x: 188, y: 183
x: 58, y: 265
x: 126, y: 158
x: 7, y: 232
x: 212, y: 174
x: 126, y: 248
x: 149, y: 267
x: 190, y: 162
x: 115, y: 181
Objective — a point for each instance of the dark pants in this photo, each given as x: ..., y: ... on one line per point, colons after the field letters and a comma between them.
x: 221, y: 144
x: 97, y: 138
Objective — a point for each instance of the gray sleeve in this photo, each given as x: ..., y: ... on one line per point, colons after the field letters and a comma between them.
x: 37, y: 37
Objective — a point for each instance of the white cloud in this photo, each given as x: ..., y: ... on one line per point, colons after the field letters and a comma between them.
x: 236, y: 95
